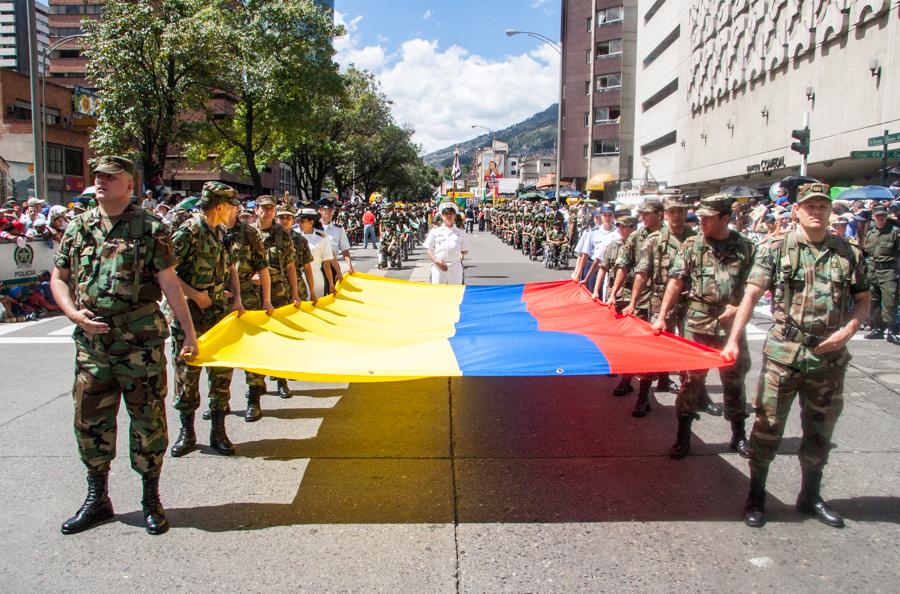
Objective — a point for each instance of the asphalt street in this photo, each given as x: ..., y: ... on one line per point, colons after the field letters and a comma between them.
x: 437, y: 485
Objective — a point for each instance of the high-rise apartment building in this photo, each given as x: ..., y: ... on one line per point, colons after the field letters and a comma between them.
x: 598, y: 42
x: 14, y: 42
x: 67, y: 64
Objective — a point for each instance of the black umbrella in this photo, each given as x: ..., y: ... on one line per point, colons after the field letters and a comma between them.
x: 792, y: 182
x: 740, y: 192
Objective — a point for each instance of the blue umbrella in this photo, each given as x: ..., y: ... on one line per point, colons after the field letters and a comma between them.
x: 866, y: 193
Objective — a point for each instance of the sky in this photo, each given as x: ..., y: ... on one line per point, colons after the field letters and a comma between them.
x: 448, y: 65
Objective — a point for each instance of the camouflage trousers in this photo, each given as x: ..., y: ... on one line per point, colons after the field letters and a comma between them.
x: 883, y: 308
x: 252, y: 300
x: 127, y: 363
x: 821, y: 402
x: 732, y: 378
x: 187, y: 377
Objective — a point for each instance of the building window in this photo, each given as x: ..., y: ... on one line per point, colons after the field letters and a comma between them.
x: 589, y: 23
x: 606, y: 115
x: 64, y: 31
x: 587, y: 56
x: 613, y: 47
x: 20, y: 111
x: 65, y: 53
x: 587, y: 87
x: 74, y: 161
x: 585, y: 151
x: 652, y: 10
x: 608, y: 16
x: 607, y: 146
x: 54, y: 159
x: 608, y: 82
x: 587, y: 119
x: 663, y: 46
x: 660, y: 95
x: 662, y: 141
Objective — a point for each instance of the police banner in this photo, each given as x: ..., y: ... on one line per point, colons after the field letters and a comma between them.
x: 21, y: 262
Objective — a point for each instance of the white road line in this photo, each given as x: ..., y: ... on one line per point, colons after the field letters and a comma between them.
x: 67, y: 331
x: 36, y: 340
x: 15, y: 327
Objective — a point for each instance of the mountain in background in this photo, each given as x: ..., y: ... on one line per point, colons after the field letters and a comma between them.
x: 534, y: 136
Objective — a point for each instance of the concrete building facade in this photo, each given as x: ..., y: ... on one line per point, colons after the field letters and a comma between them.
x: 14, y: 43
x: 723, y: 83
x: 599, y: 44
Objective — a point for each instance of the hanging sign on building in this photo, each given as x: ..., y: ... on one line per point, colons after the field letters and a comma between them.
x: 766, y: 165
x: 84, y: 102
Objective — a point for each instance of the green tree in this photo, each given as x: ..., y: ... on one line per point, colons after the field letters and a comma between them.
x: 150, y: 61
x: 274, y: 60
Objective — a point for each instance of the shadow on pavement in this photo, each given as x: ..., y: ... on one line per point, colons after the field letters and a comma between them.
x: 523, y: 450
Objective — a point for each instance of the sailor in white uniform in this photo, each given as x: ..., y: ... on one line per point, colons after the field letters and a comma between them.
x: 447, y: 245
x: 340, y: 244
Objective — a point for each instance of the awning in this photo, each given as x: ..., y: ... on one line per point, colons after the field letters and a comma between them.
x: 598, y: 182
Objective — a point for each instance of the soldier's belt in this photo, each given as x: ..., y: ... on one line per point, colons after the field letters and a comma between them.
x: 884, y: 265
x: 128, y: 317
x: 707, y: 308
x: 791, y: 333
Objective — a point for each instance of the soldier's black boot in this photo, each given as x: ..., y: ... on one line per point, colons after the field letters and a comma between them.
x: 97, y: 507
x: 187, y: 439
x: 755, y: 508
x: 254, y: 413
x: 666, y: 384
x: 624, y: 386
x: 283, y: 389
x: 207, y: 414
x: 218, y: 439
x: 875, y: 334
x: 891, y: 337
x: 809, y: 501
x: 682, y: 444
x: 642, y: 406
x: 739, y: 441
x: 154, y: 514
x: 707, y: 405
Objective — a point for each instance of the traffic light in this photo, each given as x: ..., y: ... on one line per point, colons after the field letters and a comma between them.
x: 802, y: 144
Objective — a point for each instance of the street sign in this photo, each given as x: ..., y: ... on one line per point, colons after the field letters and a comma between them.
x: 879, y: 140
x: 894, y: 154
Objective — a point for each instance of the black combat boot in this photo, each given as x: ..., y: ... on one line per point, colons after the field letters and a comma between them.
x: 283, y: 389
x: 642, y: 406
x: 707, y: 405
x: 624, y: 388
x: 187, y: 439
x: 891, y: 337
x: 218, y: 439
x: 666, y: 384
x: 809, y: 501
x: 739, y: 441
x: 682, y: 444
x: 755, y: 508
x: 875, y: 334
x: 154, y: 514
x: 207, y: 414
x: 254, y: 413
x: 96, y: 509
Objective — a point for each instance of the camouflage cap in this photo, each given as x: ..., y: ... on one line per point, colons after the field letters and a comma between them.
x: 113, y: 164
x: 817, y: 190
x: 283, y: 211
x: 651, y: 205
x: 215, y: 192
x: 673, y: 203
x: 880, y: 209
x: 715, y: 204
x: 627, y: 221
x: 266, y: 200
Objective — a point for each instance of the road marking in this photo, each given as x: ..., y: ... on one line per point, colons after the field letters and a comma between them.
x: 16, y: 326
x: 67, y: 331
x: 36, y: 340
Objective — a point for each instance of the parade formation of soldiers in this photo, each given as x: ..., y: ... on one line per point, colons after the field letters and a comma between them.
x: 117, y: 262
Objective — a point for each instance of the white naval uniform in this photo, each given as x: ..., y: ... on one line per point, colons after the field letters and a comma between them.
x: 320, y: 248
x: 338, y: 237
x: 447, y: 244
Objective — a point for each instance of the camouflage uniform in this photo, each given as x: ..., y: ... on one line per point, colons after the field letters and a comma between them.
x: 202, y: 264
x: 127, y: 362
x: 657, y: 254
x: 280, y: 254
x: 882, y: 248
x: 304, y: 256
x: 612, y: 254
x: 390, y: 238
x: 248, y: 253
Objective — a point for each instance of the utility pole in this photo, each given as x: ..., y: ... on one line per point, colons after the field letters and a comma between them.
x: 37, y: 137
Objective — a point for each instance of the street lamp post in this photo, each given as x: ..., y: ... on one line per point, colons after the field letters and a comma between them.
x: 558, y: 47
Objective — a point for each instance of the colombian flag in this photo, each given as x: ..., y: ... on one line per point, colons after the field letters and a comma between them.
x: 376, y: 329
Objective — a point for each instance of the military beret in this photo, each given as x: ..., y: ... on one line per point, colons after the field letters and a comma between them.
x: 817, y: 190
x: 113, y: 164
x: 715, y: 204
x: 215, y: 192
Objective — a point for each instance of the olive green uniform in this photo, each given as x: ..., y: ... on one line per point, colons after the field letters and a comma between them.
x: 304, y: 256
x: 279, y: 248
x: 202, y: 264
x: 249, y: 255
x: 657, y: 254
x: 113, y: 264
x: 882, y: 247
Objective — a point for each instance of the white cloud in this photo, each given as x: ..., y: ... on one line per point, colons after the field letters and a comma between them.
x: 426, y: 15
x: 442, y: 92
x: 370, y: 57
x: 539, y: 3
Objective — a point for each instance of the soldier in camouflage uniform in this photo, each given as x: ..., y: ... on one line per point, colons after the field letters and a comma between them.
x: 114, y: 263
x: 282, y: 264
x: 301, y: 252
x: 203, y: 268
x: 251, y: 287
x: 651, y: 213
x: 820, y: 298
x: 713, y: 268
x: 389, y: 232
x: 882, y: 247
x: 651, y: 276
